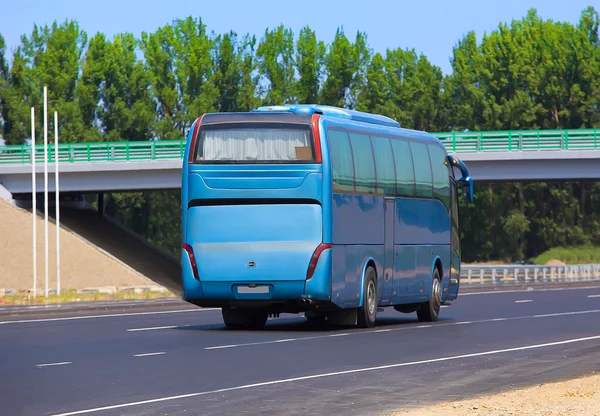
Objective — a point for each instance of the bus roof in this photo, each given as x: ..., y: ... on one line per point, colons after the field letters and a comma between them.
x: 326, y: 110
x: 302, y: 114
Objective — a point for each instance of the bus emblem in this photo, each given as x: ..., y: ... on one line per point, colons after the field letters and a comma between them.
x: 251, y: 264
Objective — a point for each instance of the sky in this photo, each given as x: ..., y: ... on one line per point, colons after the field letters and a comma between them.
x: 431, y: 27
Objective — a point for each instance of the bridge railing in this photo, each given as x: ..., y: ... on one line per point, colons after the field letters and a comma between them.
x: 96, y: 152
x: 520, y: 140
x: 528, y: 273
x: 483, y: 141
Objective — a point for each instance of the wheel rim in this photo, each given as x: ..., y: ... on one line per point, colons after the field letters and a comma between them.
x: 371, y: 298
x: 436, y: 294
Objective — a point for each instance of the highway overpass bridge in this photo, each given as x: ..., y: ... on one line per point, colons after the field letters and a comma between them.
x: 492, y: 156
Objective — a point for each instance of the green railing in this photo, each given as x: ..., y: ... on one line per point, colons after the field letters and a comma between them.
x: 455, y: 142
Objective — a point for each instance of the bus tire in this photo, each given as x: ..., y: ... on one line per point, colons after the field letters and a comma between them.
x: 368, y: 311
x: 430, y: 311
x: 240, y: 318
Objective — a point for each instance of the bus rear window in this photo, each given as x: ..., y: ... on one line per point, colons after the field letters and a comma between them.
x: 255, y: 144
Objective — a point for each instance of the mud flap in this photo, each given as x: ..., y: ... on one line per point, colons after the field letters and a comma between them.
x: 343, y: 317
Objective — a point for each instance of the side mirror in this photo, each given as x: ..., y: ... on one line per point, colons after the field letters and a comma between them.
x: 467, y: 189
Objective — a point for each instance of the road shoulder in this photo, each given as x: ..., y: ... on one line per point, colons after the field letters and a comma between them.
x: 579, y: 396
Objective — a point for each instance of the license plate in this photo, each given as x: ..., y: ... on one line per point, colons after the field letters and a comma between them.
x: 253, y: 290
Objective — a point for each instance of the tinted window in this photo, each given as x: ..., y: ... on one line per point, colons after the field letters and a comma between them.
x: 341, y: 161
x: 423, y: 179
x: 265, y: 143
x: 364, y: 168
x: 439, y: 168
x: 405, y: 182
x: 384, y: 161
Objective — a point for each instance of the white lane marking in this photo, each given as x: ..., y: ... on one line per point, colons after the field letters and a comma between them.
x: 445, y: 306
x: 151, y: 328
x: 514, y: 318
x: 336, y: 373
x: 52, y: 364
x: 548, y: 315
x: 112, y: 315
x: 148, y: 354
x: 593, y: 296
x: 524, y: 301
x: 528, y: 289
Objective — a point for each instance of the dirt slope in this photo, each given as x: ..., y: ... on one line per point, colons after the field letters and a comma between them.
x: 82, y: 264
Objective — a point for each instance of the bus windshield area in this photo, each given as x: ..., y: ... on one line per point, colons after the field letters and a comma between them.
x: 243, y: 143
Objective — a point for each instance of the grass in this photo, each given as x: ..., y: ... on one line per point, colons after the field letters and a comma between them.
x: 570, y: 255
x: 69, y: 296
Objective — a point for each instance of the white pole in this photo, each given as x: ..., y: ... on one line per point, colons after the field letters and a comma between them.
x: 33, y: 201
x: 46, y: 185
x: 57, y: 204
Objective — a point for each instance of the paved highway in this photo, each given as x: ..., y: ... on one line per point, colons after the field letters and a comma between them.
x: 179, y: 360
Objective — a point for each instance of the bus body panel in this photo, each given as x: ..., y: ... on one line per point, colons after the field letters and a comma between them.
x: 192, y: 288
x: 319, y: 286
x: 405, y: 272
x: 365, y: 254
x: 339, y: 260
x: 327, y: 185
x: 421, y: 221
x: 246, y: 242
x: 357, y: 219
x: 308, y: 186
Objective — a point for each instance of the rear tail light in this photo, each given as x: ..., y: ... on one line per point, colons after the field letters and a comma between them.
x: 190, y: 252
x: 315, y: 258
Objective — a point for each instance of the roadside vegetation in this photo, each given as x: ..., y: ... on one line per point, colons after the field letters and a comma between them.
x: 26, y: 298
x: 530, y: 73
x: 570, y: 255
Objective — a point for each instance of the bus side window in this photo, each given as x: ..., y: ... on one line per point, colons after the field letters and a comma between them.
x: 423, y: 176
x: 364, y: 166
x: 341, y: 161
x: 384, y: 161
x: 441, y: 179
x: 405, y: 174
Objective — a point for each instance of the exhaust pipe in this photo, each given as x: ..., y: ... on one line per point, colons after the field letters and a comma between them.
x: 305, y: 301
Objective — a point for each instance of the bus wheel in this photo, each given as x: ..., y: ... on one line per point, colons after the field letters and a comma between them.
x: 240, y: 318
x: 429, y: 311
x: 368, y: 311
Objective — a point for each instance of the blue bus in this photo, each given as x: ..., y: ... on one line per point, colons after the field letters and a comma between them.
x: 319, y: 210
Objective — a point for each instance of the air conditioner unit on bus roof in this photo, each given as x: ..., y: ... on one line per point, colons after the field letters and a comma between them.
x: 331, y: 111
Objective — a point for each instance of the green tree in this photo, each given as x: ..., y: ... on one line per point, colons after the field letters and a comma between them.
x: 309, y: 59
x: 275, y: 55
x: 345, y: 66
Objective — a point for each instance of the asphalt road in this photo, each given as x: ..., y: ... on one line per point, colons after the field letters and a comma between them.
x: 177, y: 360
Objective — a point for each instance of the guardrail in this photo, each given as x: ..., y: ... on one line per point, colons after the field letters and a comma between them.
x: 95, y: 152
x: 520, y: 140
x: 482, y: 141
x: 510, y: 274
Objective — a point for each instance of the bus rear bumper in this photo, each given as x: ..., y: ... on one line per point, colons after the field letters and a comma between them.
x: 279, y: 296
